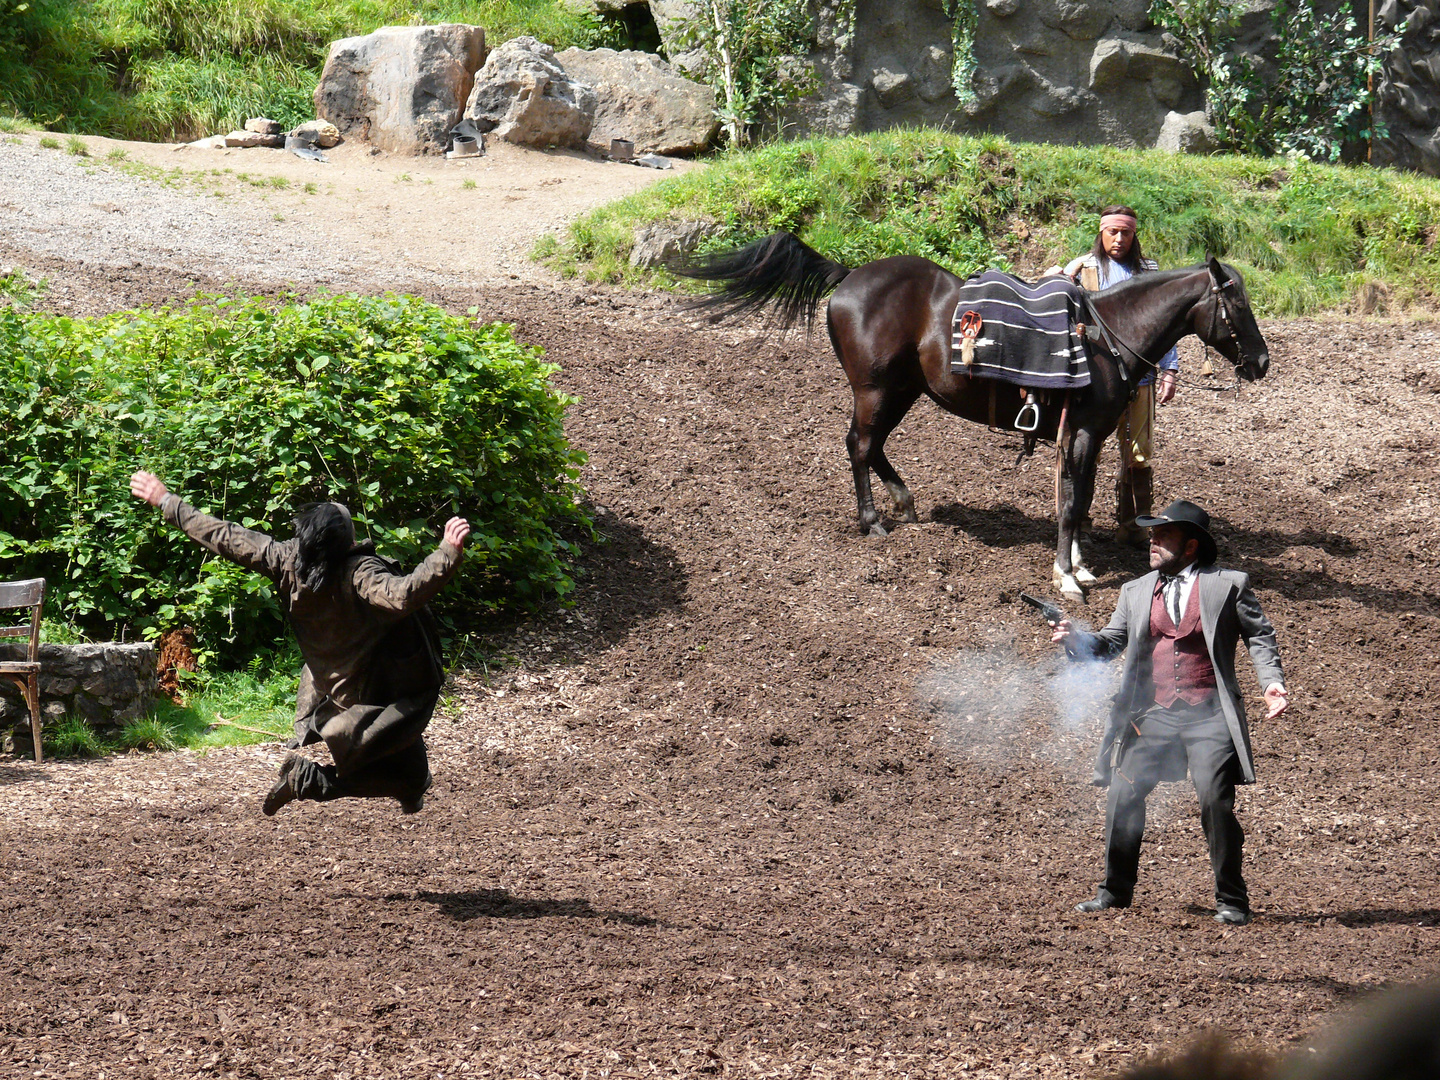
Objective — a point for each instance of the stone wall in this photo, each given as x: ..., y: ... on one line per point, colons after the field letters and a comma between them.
x: 106, y: 684
x: 1069, y: 71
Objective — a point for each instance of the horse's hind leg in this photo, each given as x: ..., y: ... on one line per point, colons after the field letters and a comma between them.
x: 876, y: 414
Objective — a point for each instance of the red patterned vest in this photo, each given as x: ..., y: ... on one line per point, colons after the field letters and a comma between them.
x: 1181, y: 667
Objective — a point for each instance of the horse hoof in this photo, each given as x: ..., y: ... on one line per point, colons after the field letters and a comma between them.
x: 877, y: 530
x: 1068, y: 587
x: 1084, y: 576
x: 910, y: 518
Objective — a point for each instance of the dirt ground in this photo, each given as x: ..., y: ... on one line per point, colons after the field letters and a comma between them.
x: 772, y: 798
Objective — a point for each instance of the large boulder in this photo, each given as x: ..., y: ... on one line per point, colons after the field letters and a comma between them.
x: 524, y: 96
x: 401, y: 88
x: 1186, y: 133
x: 660, y: 242
x: 639, y: 97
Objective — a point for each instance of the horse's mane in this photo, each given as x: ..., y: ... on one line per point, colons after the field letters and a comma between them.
x: 1160, y: 276
x: 1152, y: 276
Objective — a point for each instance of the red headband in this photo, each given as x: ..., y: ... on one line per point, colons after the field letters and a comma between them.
x: 1118, y: 221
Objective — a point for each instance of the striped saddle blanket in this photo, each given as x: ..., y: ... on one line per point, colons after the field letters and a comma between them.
x: 1028, y: 333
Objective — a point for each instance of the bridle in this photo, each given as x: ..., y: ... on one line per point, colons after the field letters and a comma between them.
x: 1219, y: 312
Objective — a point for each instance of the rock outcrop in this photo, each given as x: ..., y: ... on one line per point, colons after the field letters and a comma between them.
x: 1408, y: 97
x: 661, y: 241
x: 401, y: 88
x: 1186, y: 133
x: 640, y: 98
x: 525, y: 97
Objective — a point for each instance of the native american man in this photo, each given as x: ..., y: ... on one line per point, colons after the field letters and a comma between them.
x: 1115, y: 257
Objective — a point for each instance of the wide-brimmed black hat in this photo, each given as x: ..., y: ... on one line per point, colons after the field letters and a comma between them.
x: 1193, y: 520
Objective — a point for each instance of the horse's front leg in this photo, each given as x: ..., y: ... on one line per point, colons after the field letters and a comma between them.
x: 1077, y: 489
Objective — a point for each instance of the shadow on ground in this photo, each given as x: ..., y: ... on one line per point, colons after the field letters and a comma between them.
x: 499, y: 904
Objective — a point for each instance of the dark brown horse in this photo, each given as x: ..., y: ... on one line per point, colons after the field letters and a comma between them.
x: 890, y: 325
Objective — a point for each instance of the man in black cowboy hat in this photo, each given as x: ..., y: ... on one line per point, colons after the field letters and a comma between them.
x: 1179, y: 704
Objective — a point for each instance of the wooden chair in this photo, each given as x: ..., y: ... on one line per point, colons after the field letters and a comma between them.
x: 25, y: 673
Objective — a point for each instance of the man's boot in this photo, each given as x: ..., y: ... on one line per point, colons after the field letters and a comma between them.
x: 1143, y: 492
x: 284, y: 790
x: 1124, y: 508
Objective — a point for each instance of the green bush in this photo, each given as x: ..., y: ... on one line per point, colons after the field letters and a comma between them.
x: 1306, y: 236
x: 147, y: 733
x: 247, y: 410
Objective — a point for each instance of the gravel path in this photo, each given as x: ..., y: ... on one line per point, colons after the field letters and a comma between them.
x: 269, y: 219
x: 76, y: 209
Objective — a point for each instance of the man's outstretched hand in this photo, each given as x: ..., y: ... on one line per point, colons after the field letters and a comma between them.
x: 457, y: 531
x: 147, y: 486
x: 1277, y: 700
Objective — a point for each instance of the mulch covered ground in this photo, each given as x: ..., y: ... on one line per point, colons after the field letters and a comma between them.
x: 775, y: 799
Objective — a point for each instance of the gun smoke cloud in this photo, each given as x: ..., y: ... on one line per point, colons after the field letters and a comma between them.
x: 995, y: 707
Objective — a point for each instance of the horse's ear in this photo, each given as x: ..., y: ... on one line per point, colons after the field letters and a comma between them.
x: 1217, y: 271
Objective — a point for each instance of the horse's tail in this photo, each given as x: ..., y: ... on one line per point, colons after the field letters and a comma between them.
x: 779, y: 270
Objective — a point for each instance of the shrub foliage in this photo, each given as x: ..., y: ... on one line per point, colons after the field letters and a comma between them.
x: 247, y: 410
x: 1313, y: 101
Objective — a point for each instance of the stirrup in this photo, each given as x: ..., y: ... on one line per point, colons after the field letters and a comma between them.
x: 1028, y: 418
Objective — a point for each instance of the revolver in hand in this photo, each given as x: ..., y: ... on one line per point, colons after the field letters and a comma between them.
x: 1048, y: 611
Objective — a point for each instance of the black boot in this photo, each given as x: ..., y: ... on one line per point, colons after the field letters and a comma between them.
x: 1125, y: 508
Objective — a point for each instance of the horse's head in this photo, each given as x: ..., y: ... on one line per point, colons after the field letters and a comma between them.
x: 1224, y: 321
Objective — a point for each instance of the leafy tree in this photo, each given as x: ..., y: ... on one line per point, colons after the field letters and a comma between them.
x: 752, y: 52
x: 1313, y: 102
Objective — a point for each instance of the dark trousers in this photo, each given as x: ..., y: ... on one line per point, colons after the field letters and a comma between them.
x: 1167, y: 740
x: 378, y: 753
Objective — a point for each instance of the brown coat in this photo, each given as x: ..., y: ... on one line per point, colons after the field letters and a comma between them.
x: 359, y: 646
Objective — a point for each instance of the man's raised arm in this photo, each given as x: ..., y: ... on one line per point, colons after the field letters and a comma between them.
x: 245, y: 547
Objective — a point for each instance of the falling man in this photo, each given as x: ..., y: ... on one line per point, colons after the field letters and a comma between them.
x: 373, y: 669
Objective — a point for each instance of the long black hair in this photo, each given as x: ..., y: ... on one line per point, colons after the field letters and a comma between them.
x: 325, y: 536
x: 1134, y: 260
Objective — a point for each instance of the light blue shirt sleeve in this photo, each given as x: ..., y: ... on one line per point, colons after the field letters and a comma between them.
x: 1109, y: 274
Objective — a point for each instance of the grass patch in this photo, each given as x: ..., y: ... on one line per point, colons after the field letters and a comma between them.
x: 47, y: 143
x: 18, y: 289
x: 117, y: 155
x: 1307, y: 237
x: 77, y: 147
x: 233, y: 708
x: 469, y: 185
x: 72, y: 737
x: 14, y: 125
x: 178, y: 69
x: 148, y: 733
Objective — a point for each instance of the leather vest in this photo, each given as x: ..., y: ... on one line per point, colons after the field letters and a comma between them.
x: 1180, y: 663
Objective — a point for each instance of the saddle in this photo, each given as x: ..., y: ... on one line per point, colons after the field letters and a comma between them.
x: 1027, y: 335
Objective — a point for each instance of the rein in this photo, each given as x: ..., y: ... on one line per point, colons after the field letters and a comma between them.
x: 1220, y: 311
